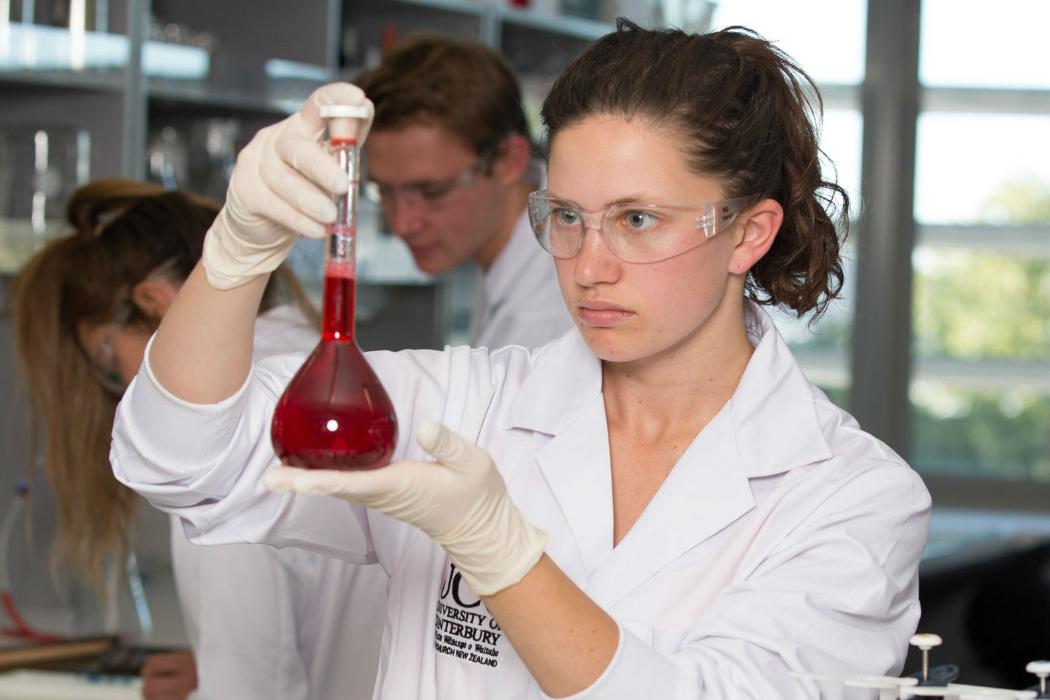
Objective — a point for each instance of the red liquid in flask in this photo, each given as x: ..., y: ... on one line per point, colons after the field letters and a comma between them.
x: 335, y: 414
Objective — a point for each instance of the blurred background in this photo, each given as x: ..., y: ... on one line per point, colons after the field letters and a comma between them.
x: 936, y: 119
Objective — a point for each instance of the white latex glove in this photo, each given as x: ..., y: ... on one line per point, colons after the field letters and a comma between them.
x: 282, y: 186
x: 460, y: 501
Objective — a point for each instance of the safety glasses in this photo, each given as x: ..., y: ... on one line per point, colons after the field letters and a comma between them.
x: 635, y: 233
x: 104, y: 363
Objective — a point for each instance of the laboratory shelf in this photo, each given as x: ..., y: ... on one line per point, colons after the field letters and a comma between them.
x: 55, y: 57
x: 465, y: 7
x: 194, y: 68
x: 536, y: 52
x: 281, y: 91
x: 197, y: 69
x: 44, y: 49
x: 64, y: 80
x: 369, y: 26
x: 576, y: 27
x: 175, y: 94
x: 485, y: 22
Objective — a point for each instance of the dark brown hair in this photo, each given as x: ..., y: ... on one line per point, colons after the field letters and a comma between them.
x: 740, y: 107
x: 460, y: 85
x: 123, y: 232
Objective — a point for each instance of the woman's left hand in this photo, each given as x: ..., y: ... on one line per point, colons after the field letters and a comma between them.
x: 460, y: 501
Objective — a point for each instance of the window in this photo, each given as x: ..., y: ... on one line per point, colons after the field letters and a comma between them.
x: 978, y: 395
x: 980, y: 383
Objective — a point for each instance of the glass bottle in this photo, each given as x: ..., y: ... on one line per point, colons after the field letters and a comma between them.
x: 335, y: 414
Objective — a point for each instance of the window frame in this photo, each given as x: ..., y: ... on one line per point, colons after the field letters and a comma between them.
x: 881, y: 360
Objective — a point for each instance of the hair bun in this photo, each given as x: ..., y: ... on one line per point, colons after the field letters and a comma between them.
x: 97, y: 204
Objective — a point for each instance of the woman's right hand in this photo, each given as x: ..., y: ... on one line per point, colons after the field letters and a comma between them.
x: 169, y: 676
x: 282, y: 186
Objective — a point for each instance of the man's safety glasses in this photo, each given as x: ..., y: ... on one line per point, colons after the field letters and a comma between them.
x: 428, y: 194
x: 635, y: 233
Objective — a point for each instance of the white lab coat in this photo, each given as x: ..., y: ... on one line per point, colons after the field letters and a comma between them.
x: 517, y: 300
x: 784, y: 538
x: 286, y: 624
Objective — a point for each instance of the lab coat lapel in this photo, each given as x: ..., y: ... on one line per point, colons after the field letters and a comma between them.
x: 705, y: 492
x: 575, y: 463
x: 768, y: 427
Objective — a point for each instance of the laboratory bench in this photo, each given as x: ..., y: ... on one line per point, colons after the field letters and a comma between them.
x: 984, y: 586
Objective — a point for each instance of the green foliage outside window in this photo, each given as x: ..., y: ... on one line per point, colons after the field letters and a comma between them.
x: 994, y: 435
x: 981, y: 305
x: 978, y: 305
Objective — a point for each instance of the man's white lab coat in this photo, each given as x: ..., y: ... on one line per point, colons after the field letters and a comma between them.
x: 518, y: 300
x: 785, y: 538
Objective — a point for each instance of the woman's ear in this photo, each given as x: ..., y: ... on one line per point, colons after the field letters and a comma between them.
x: 512, y: 159
x: 153, y: 296
x: 760, y: 224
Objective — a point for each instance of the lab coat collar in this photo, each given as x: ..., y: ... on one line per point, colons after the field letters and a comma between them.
x: 768, y: 427
x: 774, y: 415
x: 567, y: 367
x: 772, y: 412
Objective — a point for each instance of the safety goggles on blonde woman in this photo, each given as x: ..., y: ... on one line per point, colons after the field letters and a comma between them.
x: 634, y: 232
x: 104, y: 364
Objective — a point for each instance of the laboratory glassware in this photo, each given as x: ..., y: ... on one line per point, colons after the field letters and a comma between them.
x: 40, y: 167
x: 335, y: 414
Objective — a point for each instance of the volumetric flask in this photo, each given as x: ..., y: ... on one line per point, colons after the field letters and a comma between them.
x: 335, y: 414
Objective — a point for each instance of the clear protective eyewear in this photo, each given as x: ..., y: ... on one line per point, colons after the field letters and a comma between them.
x: 635, y: 233
x: 428, y: 194
x: 104, y: 363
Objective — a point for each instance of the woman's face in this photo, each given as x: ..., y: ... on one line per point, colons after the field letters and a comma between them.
x: 631, y: 311
x: 115, y: 351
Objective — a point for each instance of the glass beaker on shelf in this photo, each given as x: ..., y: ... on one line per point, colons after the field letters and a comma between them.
x: 167, y: 159
x: 40, y: 167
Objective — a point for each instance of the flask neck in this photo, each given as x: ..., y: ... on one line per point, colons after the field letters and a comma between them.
x: 340, y: 272
x: 346, y: 154
x: 340, y: 287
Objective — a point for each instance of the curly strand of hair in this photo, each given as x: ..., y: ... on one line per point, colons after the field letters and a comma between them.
x: 802, y: 271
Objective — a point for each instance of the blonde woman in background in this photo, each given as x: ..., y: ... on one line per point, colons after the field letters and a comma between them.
x: 84, y: 308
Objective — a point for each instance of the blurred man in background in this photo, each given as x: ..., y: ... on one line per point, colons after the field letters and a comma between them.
x: 450, y: 156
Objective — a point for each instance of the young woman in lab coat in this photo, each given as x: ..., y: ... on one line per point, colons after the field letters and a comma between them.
x: 84, y: 308
x: 656, y: 505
